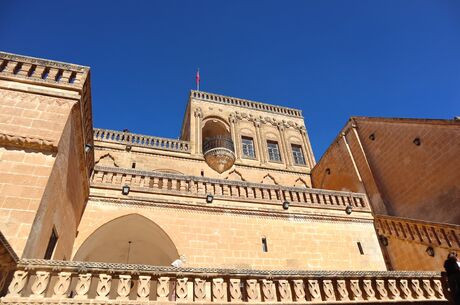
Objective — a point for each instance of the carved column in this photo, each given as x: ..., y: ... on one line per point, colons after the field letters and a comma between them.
x: 103, y: 286
x: 41, y: 283
x: 219, y: 290
x: 198, y: 141
x: 258, y: 140
x: 82, y: 288
x: 124, y: 287
x: 284, y: 290
x: 308, y: 157
x: 309, y: 150
x: 163, y: 289
x: 143, y: 288
x: 62, y: 285
x: 17, y: 283
x: 233, y: 131
x: 299, y: 290
x: 283, y: 145
x: 235, y: 290
x: 313, y: 290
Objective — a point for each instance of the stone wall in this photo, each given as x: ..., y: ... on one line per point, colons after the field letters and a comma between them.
x: 234, y: 239
x: 400, y: 177
x: 45, y: 110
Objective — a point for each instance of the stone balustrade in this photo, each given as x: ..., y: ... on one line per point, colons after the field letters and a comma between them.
x: 42, y: 71
x: 427, y: 233
x: 216, y: 98
x: 195, y: 186
x: 41, y: 281
x: 133, y: 139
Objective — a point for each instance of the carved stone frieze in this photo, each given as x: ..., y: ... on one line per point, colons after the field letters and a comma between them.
x: 24, y: 142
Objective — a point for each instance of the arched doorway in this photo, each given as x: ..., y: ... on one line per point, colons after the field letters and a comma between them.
x: 132, y: 239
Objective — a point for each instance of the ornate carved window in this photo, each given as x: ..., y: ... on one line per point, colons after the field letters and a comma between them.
x: 273, y: 151
x: 297, y: 154
x: 248, y: 147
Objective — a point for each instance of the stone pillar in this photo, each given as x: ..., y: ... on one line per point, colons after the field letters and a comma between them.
x: 259, y: 144
x: 283, y: 145
x: 198, y: 141
x: 308, y: 150
x: 233, y: 130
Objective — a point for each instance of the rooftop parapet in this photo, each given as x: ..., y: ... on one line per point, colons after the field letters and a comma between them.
x: 132, y: 139
x: 36, y: 70
x: 233, y: 101
x: 61, y: 77
x: 42, y: 282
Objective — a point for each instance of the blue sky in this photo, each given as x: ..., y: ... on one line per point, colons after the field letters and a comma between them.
x: 332, y: 59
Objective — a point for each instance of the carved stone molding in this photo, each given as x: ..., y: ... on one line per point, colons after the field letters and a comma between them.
x: 28, y: 142
x: 422, y: 232
x: 238, y: 102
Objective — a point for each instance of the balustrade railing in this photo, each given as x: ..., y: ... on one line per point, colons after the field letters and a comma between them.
x: 218, y: 142
x: 156, y: 182
x: 428, y: 233
x: 41, y: 281
x: 216, y: 98
x: 133, y: 139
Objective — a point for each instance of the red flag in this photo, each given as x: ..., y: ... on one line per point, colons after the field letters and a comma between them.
x: 198, y: 80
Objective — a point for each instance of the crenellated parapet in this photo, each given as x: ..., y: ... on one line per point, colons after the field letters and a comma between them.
x: 54, y: 79
x: 70, y: 282
x: 195, y: 186
x: 36, y: 70
x: 238, y: 102
x: 421, y: 232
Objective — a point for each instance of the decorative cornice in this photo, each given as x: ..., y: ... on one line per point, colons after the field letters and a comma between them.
x: 422, y: 232
x: 28, y: 142
x: 32, y: 264
x: 191, y: 207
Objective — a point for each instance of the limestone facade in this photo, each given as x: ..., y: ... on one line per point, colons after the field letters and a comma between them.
x: 410, y: 171
x: 98, y: 216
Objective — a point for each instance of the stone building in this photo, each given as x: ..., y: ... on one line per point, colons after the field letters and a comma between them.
x: 410, y: 170
x: 227, y: 213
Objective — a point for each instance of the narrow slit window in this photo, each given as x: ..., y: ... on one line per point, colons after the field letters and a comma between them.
x: 51, y: 244
x: 360, y: 248
x: 264, y: 244
x: 133, y: 165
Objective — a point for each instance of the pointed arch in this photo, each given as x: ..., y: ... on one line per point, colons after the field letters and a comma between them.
x: 300, y: 183
x: 106, y: 160
x: 268, y: 179
x: 131, y: 238
x: 235, y: 175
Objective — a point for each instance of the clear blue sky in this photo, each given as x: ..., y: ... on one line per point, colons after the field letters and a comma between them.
x: 332, y: 59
